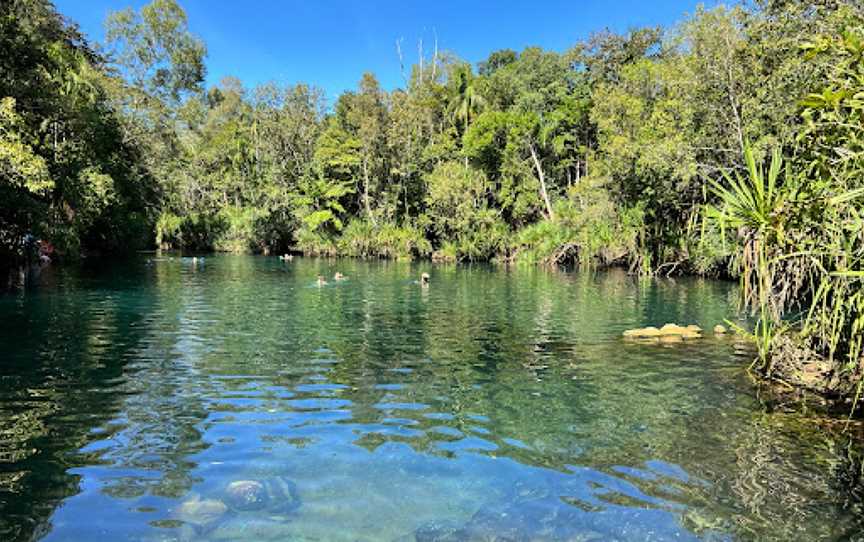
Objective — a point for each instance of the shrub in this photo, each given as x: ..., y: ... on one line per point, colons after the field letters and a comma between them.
x: 238, y: 234
x: 361, y: 239
x: 315, y: 243
x: 589, y: 229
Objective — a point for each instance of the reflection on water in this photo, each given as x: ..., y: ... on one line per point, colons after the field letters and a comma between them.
x: 495, y: 405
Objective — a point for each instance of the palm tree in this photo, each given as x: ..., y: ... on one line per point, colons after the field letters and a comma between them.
x: 466, y: 102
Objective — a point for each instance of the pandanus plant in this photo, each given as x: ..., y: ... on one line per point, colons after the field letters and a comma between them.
x: 757, y: 207
x: 796, y: 246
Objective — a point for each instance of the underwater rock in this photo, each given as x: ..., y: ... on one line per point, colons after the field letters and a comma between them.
x: 275, y: 495
x: 437, y: 531
x: 536, y: 520
x: 252, y: 527
x: 246, y: 495
x: 202, y: 514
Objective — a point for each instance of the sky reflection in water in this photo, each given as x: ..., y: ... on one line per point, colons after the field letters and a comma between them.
x: 495, y: 403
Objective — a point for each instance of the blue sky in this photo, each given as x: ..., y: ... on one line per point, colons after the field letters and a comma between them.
x: 331, y: 43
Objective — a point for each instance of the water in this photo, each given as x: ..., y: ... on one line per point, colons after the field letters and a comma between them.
x: 495, y: 403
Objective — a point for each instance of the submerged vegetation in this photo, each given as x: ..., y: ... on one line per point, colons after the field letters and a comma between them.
x: 730, y: 144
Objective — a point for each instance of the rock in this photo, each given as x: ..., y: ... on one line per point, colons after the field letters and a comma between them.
x: 246, y: 495
x: 275, y: 495
x: 671, y: 339
x: 437, y: 531
x: 201, y: 513
x: 642, y: 332
x: 536, y: 520
x: 689, y: 332
x: 668, y: 330
x: 719, y: 330
x: 253, y: 527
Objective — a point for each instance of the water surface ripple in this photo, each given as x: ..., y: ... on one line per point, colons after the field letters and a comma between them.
x: 495, y: 405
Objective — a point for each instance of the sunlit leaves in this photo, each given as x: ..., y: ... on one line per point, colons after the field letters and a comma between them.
x: 156, y: 49
x: 19, y: 165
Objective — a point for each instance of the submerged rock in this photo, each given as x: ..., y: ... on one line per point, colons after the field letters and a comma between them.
x: 275, y: 495
x: 253, y: 527
x: 201, y: 513
x: 550, y: 519
x: 437, y: 531
x: 246, y: 495
x: 537, y: 520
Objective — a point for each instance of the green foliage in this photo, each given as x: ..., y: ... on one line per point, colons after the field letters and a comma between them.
x: 316, y: 243
x: 168, y: 231
x: 239, y: 233
x: 67, y: 173
x: 20, y: 166
x: 362, y: 239
x: 589, y: 230
x: 502, y: 144
x: 456, y: 195
x: 156, y: 50
x: 319, y: 204
x: 458, y: 212
x: 626, y: 149
x: 757, y: 207
x: 645, y: 123
x: 833, y: 157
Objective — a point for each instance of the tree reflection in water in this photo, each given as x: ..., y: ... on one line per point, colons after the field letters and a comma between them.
x: 394, y: 409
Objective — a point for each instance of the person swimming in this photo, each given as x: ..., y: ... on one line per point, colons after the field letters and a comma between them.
x: 321, y: 280
x: 424, y: 280
x: 339, y: 276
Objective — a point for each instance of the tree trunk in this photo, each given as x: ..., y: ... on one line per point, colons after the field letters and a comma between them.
x: 366, y: 203
x: 543, y: 192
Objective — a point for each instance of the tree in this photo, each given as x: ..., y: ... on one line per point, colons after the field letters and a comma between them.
x: 363, y: 115
x: 157, y: 53
x: 460, y: 214
x: 68, y: 173
x: 465, y: 100
x: 606, y: 52
x: 497, y: 60
x: 502, y: 143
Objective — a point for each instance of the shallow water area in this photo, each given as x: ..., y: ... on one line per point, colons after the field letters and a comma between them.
x: 496, y: 404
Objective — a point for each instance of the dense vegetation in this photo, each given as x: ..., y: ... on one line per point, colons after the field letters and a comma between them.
x: 643, y: 149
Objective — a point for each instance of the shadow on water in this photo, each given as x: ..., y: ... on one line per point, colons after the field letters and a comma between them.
x: 496, y: 404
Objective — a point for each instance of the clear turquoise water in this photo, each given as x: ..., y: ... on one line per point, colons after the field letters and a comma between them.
x: 495, y: 405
